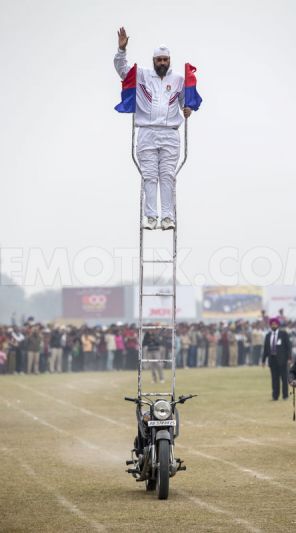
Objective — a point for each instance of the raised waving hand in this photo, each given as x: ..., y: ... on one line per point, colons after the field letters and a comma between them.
x: 122, y: 39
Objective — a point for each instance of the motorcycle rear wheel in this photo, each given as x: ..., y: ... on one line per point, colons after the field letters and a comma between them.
x: 163, y: 473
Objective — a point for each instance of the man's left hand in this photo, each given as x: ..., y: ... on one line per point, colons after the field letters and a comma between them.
x: 186, y: 112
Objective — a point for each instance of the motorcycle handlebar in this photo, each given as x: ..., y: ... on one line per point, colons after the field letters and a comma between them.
x: 128, y: 399
x: 182, y: 399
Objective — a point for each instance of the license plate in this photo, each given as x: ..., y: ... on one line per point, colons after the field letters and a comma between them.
x: 153, y: 423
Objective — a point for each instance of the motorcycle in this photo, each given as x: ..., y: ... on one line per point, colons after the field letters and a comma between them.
x: 153, y: 456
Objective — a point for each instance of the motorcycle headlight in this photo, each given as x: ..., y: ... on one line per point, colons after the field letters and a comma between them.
x: 162, y: 410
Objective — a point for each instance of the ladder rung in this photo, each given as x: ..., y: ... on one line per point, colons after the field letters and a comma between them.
x: 159, y: 294
x: 155, y: 360
x: 158, y: 261
x: 156, y: 394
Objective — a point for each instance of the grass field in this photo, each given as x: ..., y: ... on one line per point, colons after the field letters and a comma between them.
x: 64, y: 440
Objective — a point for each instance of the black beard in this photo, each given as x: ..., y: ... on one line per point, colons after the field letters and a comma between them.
x: 161, y: 70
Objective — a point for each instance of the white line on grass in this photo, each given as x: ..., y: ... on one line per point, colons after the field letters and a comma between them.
x: 265, y: 443
x: 257, y: 422
x: 193, y: 424
x: 73, y: 508
x: 69, y: 404
x: 78, y: 389
x: 112, y: 382
x: 43, y: 422
x: 249, y: 471
x: 246, y: 419
x: 217, y: 510
x: 251, y: 441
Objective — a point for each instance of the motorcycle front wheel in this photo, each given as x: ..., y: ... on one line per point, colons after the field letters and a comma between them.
x: 163, y: 473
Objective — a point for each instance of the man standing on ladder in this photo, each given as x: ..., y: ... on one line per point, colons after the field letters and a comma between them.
x: 160, y: 96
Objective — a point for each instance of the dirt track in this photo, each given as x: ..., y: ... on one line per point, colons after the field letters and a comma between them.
x: 65, y: 438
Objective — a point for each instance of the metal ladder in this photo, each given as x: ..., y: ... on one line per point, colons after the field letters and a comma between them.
x: 172, y: 295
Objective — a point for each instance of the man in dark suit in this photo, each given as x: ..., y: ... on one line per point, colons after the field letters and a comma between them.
x: 277, y: 348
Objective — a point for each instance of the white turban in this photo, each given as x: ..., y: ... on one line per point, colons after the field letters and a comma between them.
x: 161, y: 51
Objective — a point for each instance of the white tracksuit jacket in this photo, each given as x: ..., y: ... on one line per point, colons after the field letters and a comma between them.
x: 158, y: 145
x: 158, y: 100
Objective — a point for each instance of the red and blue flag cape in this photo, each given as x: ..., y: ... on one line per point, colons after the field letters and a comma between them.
x: 192, y: 98
x: 128, y: 93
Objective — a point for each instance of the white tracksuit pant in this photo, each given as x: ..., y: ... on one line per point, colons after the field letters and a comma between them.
x: 158, y: 151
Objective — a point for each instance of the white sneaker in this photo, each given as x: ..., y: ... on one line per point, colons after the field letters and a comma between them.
x: 167, y: 223
x: 151, y: 223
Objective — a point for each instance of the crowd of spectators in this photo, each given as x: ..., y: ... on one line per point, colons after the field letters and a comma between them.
x: 35, y: 347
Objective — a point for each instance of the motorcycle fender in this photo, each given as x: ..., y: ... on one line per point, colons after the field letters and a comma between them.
x: 163, y: 434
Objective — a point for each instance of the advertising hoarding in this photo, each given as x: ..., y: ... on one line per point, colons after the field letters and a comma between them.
x: 231, y: 302
x: 160, y: 307
x: 93, y: 302
x: 282, y: 297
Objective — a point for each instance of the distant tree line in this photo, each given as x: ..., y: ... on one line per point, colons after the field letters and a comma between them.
x: 16, y: 305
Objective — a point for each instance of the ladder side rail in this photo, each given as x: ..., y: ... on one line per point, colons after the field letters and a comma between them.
x: 174, y: 302
x: 174, y: 299
x: 140, y: 336
x: 141, y: 267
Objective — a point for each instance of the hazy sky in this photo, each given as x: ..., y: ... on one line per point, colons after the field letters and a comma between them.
x: 67, y: 179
